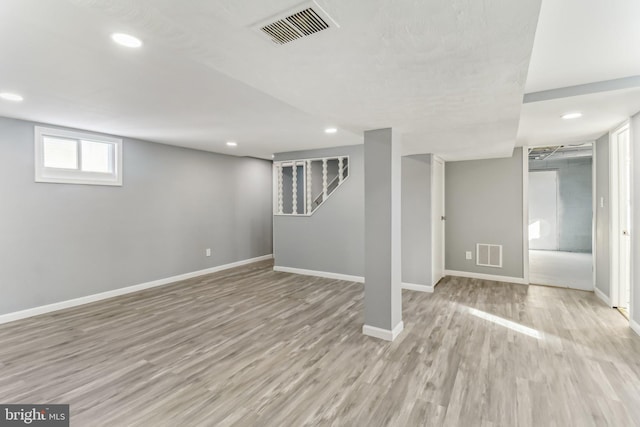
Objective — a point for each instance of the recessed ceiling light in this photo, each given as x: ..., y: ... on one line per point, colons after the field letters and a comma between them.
x: 232, y: 143
x: 331, y: 130
x: 570, y: 116
x: 126, y: 40
x: 11, y: 96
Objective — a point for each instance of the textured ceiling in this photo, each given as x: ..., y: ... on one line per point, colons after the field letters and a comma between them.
x: 449, y: 74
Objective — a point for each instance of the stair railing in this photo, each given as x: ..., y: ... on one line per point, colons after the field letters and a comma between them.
x: 296, y: 176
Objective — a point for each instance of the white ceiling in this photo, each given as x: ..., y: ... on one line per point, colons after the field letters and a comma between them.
x: 541, y: 122
x: 71, y: 74
x: 580, y: 42
x: 449, y: 74
x: 584, y: 41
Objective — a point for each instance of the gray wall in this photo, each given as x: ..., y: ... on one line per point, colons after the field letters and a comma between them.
x: 635, y: 224
x: 416, y: 219
x: 601, y: 153
x: 332, y: 239
x: 483, y: 204
x: 61, y: 241
x: 575, y: 207
x: 336, y: 229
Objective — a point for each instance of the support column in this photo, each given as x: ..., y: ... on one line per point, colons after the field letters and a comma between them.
x: 382, y: 188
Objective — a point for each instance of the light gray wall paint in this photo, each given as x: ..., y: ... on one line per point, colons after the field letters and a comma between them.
x: 483, y: 204
x: 61, y: 241
x: 383, y: 229
x: 575, y: 203
x: 332, y: 239
x: 337, y: 228
x: 635, y: 225
x: 602, y: 260
x: 416, y: 219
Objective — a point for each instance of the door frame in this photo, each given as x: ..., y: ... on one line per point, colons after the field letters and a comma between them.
x: 435, y: 279
x: 525, y: 209
x: 525, y: 214
x: 614, y: 215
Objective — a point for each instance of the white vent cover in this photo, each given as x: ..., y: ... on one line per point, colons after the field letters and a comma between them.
x: 489, y: 255
x: 302, y: 21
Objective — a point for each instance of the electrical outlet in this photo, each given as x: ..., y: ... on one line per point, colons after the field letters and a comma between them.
x: 207, y: 252
x: 469, y: 255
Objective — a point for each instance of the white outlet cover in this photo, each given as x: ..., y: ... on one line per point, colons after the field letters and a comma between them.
x: 469, y: 255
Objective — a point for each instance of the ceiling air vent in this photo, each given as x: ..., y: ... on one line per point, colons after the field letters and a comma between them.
x: 302, y: 21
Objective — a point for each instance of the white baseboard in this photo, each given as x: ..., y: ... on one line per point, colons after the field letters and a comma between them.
x: 416, y: 287
x: 383, y: 334
x: 517, y: 280
x: 324, y: 274
x: 17, y: 315
x: 602, y: 296
x: 635, y: 326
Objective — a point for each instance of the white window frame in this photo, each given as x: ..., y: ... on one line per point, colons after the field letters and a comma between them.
x: 76, y: 176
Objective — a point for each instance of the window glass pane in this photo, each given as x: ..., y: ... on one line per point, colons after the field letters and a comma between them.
x: 96, y: 156
x: 60, y: 153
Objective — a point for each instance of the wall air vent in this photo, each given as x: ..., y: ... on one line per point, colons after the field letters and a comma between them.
x: 489, y: 255
x: 302, y: 21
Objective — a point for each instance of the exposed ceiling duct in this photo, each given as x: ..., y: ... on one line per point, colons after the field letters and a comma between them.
x: 560, y: 151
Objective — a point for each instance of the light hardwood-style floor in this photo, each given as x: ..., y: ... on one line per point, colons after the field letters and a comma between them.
x: 251, y: 346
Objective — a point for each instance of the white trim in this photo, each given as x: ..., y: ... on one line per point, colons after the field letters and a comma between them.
x: 635, y: 326
x: 77, y: 176
x: 274, y: 191
x: 613, y: 199
x: 290, y: 162
x: 416, y: 287
x: 602, y: 296
x: 594, y: 215
x: 292, y: 214
x: 633, y: 285
x: 435, y: 219
x: 468, y: 274
x: 383, y: 334
x: 525, y: 213
x: 614, y: 247
x: 17, y: 315
x: 615, y: 239
x: 316, y: 273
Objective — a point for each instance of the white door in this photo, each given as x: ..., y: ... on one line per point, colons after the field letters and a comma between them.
x: 543, y: 210
x: 437, y: 220
x: 623, y: 218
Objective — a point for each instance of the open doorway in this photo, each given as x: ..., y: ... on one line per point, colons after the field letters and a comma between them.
x: 561, y: 216
x: 621, y: 219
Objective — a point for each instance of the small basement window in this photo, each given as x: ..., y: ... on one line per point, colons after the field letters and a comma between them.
x: 71, y: 157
